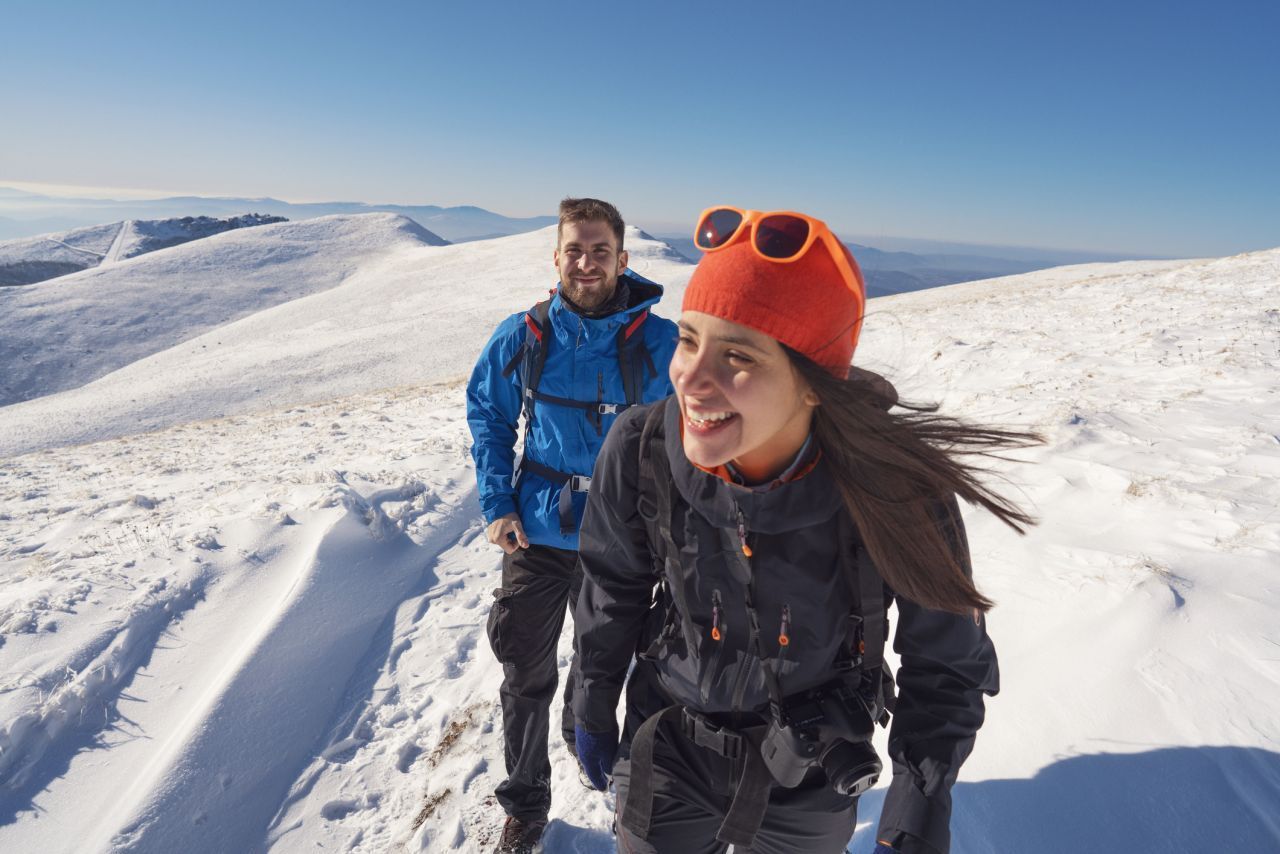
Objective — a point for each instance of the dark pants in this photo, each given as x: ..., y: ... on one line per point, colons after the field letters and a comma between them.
x: 693, y: 788
x: 524, y: 631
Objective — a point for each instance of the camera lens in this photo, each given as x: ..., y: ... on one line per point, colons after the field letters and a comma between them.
x: 852, y: 767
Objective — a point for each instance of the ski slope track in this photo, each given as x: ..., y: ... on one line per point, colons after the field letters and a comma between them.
x: 243, y: 587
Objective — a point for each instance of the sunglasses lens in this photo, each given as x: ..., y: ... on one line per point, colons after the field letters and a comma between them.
x: 781, y: 236
x: 717, y: 227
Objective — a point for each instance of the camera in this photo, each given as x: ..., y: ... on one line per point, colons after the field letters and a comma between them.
x: 830, y: 727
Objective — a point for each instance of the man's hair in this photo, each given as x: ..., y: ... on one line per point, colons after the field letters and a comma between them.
x: 590, y: 210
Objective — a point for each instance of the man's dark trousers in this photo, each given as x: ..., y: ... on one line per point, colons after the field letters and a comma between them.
x: 524, y: 631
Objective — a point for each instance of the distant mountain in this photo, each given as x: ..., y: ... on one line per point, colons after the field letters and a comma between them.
x: 898, y: 272
x: 19, y: 213
x: 37, y: 259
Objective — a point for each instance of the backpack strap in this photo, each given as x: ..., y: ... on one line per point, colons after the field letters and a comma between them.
x: 634, y: 358
x: 750, y: 798
x: 531, y: 356
x: 655, y: 506
x: 872, y: 617
x: 871, y: 606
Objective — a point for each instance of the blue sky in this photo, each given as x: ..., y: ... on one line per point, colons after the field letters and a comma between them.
x: 1144, y: 127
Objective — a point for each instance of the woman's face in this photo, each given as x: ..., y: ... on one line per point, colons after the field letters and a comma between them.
x: 740, y: 396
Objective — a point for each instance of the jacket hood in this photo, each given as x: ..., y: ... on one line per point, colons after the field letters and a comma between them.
x: 810, y: 500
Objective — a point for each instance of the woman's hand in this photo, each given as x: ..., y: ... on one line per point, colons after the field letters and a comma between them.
x: 596, y: 752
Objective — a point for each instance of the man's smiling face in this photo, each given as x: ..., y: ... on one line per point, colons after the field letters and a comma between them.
x: 589, y: 263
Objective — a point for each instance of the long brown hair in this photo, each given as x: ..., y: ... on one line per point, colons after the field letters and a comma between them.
x: 897, y: 471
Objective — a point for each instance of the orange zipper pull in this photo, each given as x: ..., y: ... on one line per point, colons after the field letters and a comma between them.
x: 742, y: 534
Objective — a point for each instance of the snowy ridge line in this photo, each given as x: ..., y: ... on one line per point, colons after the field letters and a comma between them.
x: 82, y: 702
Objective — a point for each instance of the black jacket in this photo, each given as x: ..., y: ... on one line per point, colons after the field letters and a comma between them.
x: 947, y: 661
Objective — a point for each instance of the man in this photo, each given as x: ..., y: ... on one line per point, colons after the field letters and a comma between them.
x: 571, y: 363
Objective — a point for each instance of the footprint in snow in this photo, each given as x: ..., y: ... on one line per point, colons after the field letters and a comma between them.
x: 480, y: 769
x: 406, y: 755
x: 338, y: 810
x: 455, y: 667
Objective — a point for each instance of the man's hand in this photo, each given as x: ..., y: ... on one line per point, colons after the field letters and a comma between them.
x: 507, y: 532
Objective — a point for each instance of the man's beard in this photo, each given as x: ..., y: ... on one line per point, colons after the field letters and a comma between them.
x: 585, y: 299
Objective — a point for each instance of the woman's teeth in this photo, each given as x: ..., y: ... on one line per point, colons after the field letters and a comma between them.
x: 709, y: 418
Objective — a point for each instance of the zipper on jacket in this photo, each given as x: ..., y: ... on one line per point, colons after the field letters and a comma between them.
x: 744, y: 668
x: 742, y: 531
x: 716, y: 645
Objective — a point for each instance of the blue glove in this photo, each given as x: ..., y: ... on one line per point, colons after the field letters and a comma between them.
x: 881, y: 848
x: 596, y: 752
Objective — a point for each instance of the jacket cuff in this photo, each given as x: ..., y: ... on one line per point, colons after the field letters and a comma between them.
x: 914, y: 822
x: 501, y: 506
x: 595, y: 710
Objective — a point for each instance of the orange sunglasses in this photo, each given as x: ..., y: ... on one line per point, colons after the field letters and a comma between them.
x: 782, y: 236
x: 779, y: 236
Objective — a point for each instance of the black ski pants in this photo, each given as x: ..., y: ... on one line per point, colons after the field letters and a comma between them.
x: 693, y: 788
x: 524, y: 628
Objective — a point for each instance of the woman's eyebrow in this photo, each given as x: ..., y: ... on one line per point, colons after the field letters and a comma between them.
x: 733, y: 339
x: 727, y: 339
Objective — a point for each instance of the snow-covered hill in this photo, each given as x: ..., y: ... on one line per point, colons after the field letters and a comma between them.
x: 36, y: 259
x: 266, y: 631
x: 405, y: 313
x: 63, y: 333
x: 24, y: 214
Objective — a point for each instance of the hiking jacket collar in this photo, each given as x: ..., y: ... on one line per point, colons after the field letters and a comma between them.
x: 810, y: 500
x: 643, y: 294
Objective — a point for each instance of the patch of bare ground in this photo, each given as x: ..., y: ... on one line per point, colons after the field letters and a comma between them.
x: 429, y: 807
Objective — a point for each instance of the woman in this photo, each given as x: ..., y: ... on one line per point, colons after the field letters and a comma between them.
x: 741, y: 544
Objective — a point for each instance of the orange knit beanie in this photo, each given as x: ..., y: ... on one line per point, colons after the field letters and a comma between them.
x: 804, y: 304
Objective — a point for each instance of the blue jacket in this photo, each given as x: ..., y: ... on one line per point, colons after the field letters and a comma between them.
x: 582, y: 364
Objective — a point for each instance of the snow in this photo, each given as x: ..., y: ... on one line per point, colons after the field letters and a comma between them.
x: 405, y: 313
x: 66, y: 332
x: 87, y: 245
x: 243, y: 592
x: 47, y: 256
